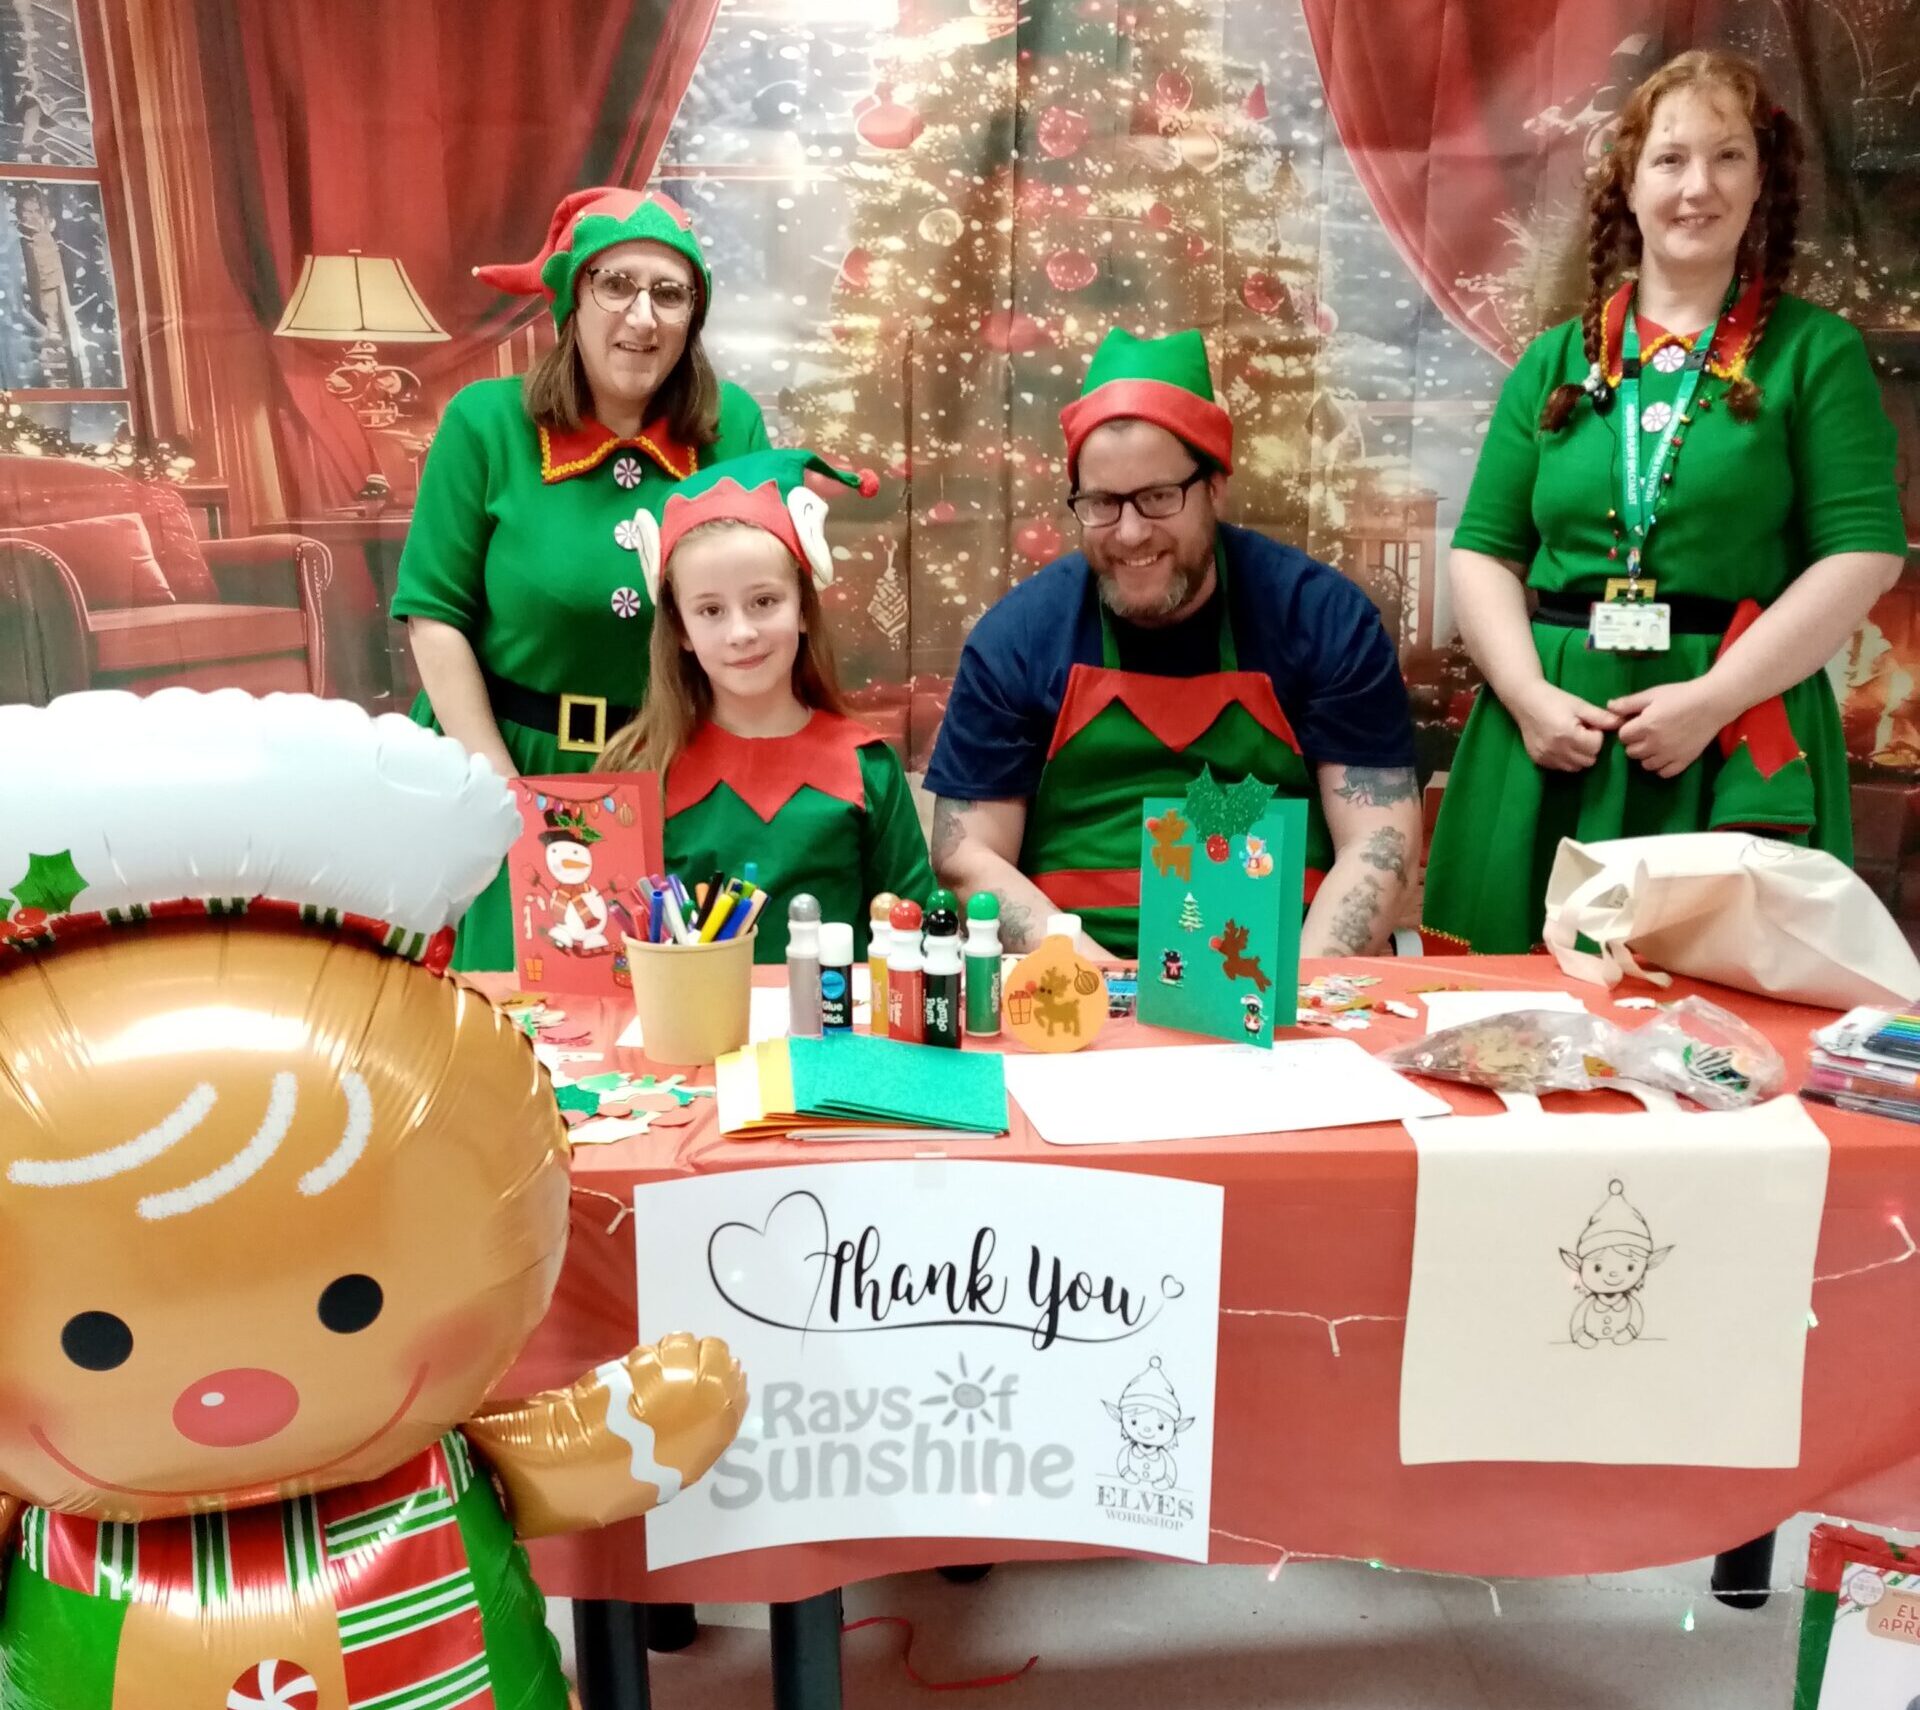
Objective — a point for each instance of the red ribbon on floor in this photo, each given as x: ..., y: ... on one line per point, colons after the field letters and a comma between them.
x: 906, y: 1658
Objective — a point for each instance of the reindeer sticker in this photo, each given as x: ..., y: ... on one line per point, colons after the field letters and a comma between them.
x: 1611, y: 1260
x: 1235, y: 963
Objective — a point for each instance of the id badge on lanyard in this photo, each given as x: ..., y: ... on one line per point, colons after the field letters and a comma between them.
x: 1629, y: 619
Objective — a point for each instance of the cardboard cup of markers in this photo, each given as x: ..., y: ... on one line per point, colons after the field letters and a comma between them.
x: 693, y: 985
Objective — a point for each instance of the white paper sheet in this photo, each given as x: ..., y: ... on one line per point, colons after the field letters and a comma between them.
x: 767, y: 1011
x: 1452, y: 1009
x: 1202, y: 1092
x: 945, y: 1349
x: 1625, y: 1288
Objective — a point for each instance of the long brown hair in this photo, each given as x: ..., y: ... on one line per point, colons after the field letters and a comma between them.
x: 557, y: 396
x: 1613, y: 236
x: 679, y: 697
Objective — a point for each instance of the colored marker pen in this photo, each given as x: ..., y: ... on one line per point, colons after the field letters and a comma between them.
x: 879, y: 946
x: 940, y: 983
x: 983, y: 964
x: 906, y: 984
x: 803, y: 967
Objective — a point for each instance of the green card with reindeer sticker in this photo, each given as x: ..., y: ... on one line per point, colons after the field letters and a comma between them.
x: 1221, y: 881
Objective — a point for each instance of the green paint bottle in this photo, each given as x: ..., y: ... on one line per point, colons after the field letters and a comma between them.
x: 983, y: 964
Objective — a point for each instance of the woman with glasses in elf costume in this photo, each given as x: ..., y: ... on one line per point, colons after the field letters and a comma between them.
x: 525, y: 605
x: 1646, y: 679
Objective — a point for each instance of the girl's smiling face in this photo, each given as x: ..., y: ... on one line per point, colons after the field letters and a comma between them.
x: 738, y: 592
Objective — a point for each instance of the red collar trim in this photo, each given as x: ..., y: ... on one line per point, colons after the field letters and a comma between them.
x: 767, y: 772
x: 564, y: 454
x: 1733, y: 339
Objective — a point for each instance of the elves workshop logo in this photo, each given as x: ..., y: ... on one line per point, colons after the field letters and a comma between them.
x: 956, y: 1433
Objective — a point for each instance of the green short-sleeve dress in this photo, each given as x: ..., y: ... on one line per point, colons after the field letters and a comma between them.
x: 1751, y: 504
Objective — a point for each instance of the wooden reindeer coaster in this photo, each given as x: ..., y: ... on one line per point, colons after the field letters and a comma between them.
x: 1056, y: 1000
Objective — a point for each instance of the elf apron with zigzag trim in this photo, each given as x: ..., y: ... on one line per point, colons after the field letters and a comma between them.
x: 1122, y: 736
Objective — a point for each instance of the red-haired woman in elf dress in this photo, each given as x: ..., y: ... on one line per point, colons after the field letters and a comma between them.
x: 1685, y: 506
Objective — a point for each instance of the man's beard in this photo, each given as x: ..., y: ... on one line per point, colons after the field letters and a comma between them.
x: 1181, y: 583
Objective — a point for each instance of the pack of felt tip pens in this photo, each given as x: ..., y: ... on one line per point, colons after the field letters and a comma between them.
x: 1867, y: 1061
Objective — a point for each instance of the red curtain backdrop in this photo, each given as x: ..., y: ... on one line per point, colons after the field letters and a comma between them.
x: 441, y: 132
x: 1458, y: 115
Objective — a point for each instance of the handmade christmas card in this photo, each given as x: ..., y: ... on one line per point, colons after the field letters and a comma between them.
x: 1860, y: 1628
x: 578, y: 878
x: 1221, y: 882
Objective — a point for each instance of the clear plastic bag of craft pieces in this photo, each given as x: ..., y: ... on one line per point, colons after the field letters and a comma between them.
x: 1703, y: 1053
x: 1522, y: 1051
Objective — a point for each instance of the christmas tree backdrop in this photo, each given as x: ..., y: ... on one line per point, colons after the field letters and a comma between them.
x: 922, y: 215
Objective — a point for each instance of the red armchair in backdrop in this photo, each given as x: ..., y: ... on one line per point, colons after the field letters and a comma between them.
x: 104, y: 583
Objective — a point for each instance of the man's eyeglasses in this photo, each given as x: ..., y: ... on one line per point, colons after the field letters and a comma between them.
x: 614, y: 289
x: 1163, y: 499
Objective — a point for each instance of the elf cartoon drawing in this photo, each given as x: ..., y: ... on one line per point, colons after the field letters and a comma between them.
x: 579, y: 911
x: 1612, y: 1259
x: 1148, y: 1413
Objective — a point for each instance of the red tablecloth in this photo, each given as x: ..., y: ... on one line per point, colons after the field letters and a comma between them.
x: 1306, y: 1453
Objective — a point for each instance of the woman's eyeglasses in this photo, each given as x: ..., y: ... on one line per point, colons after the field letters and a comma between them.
x: 1163, y: 499
x: 614, y: 289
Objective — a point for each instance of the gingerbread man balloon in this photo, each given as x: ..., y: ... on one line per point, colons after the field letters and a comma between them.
x: 279, y: 1205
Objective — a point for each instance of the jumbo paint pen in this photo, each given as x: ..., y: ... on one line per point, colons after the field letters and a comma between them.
x: 803, y: 967
x: 906, y: 984
x: 940, y: 983
x: 836, y: 977
x: 983, y: 964
x: 879, y: 947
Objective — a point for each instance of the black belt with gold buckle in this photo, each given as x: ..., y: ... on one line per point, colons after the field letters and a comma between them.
x: 580, y: 724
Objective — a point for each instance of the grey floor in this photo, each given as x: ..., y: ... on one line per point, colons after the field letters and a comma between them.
x: 1112, y: 1635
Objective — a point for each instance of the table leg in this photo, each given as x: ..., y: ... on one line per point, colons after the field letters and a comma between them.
x: 610, y: 1654
x: 806, y: 1653
x: 1739, y: 1575
x: 671, y: 1626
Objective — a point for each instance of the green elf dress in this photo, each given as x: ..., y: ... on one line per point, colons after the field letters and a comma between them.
x: 826, y: 810
x: 1748, y: 506
x: 522, y: 538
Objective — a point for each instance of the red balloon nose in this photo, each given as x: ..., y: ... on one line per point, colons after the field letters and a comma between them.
x: 228, y: 1410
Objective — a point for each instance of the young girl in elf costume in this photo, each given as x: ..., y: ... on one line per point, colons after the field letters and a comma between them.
x: 744, y: 719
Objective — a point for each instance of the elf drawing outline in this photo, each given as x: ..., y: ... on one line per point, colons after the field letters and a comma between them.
x: 1150, y: 1421
x: 1610, y: 1262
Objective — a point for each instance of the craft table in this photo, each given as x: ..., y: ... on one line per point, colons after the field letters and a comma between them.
x: 1316, y: 1251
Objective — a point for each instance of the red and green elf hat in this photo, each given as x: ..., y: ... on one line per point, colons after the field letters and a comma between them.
x: 765, y: 488
x: 585, y: 223
x: 1165, y: 381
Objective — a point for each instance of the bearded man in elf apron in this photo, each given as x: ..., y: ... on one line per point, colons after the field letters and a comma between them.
x: 1169, y: 642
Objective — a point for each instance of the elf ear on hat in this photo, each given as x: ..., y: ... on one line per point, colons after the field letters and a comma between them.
x: 1165, y: 381
x: 585, y: 223
x: 765, y: 488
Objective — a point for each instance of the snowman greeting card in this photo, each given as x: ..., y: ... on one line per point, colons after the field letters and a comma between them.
x: 1220, y: 887
x: 578, y: 878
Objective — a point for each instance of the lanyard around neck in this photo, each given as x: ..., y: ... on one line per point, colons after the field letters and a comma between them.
x: 1640, y: 494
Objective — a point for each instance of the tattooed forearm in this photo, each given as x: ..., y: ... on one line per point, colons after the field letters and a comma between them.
x: 949, y: 827
x: 1387, y: 850
x: 1018, y: 929
x: 1377, y: 786
x: 1356, y: 923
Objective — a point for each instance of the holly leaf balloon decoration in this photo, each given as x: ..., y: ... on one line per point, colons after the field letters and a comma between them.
x: 1226, y: 810
x: 51, y: 883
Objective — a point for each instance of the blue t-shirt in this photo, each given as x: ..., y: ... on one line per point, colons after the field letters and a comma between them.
x: 1311, y: 630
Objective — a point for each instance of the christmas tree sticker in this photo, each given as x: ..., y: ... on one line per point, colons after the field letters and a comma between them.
x: 1190, y: 915
x: 1221, y: 812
